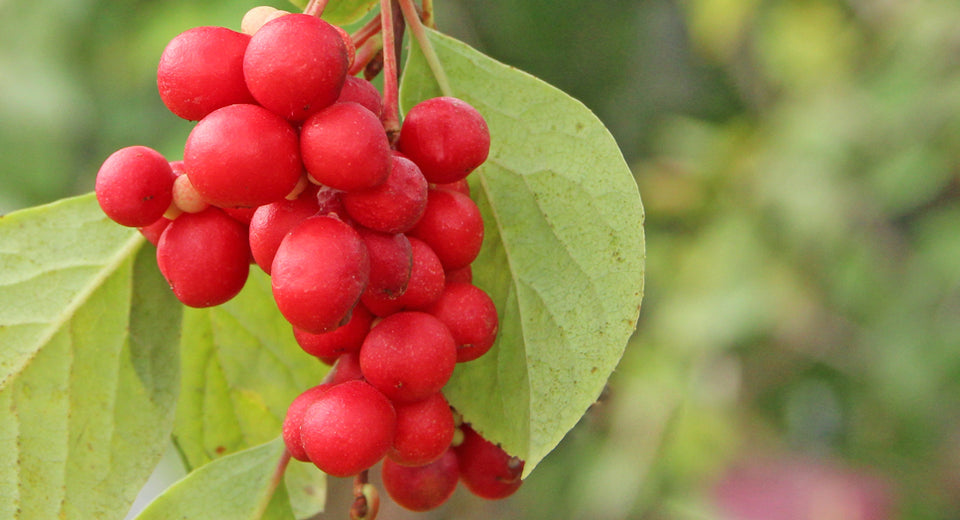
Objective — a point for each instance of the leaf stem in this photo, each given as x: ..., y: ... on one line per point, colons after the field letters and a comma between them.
x: 420, y: 33
x: 315, y: 7
x: 274, y: 482
x: 391, y: 88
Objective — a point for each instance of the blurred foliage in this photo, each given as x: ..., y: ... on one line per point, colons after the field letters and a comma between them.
x: 798, y: 162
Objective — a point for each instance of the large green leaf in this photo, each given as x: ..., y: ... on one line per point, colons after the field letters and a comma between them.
x: 88, y: 366
x: 240, y: 368
x: 343, y: 12
x: 241, y: 486
x: 563, y: 255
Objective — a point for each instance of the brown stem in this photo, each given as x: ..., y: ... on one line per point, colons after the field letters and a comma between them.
x: 315, y: 7
x: 391, y: 87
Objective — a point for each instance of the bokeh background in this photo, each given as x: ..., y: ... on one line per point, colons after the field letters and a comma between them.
x: 798, y: 352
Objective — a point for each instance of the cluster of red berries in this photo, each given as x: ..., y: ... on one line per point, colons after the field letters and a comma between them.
x: 368, y: 247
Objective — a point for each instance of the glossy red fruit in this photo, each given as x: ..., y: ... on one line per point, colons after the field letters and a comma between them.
x: 242, y: 156
x: 134, y: 186
x: 318, y: 273
x: 391, y: 259
x: 343, y: 339
x: 487, y: 470
x: 408, y: 356
x: 452, y: 226
x: 470, y: 315
x: 271, y: 222
x: 424, y: 431
x: 344, y: 147
x: 204, y: 257
x: 426, y: 277
x: 421, y: 488
x: 446, y: 137
x: 348, y: 428
x: 394, y: 206
x: 346, y: 368
x: 201, y: 70
x: 463, y: 274
x: 362, y: 92
x: 461, y: 186
x: 153, y: 231
x: 294, y: 419
x: 295, y: 65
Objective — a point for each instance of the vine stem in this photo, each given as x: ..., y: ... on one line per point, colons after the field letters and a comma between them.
x: 315, y: 7
x: 391, y: 87
x: 420, y: 34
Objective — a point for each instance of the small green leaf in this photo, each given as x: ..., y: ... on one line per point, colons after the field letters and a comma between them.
x: 242, y: 486
x: 89, y: 330
x: 342, y: 12
x: 241, y: 368
x: 563, y: 255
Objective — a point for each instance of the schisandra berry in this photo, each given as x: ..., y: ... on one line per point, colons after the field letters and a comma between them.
x: 425, y: 286
x: 242, y: 156
x: 294, y: 419
x: 318, y: 273
x: 487, y: 470
x: 446, y: 137
x: 134, y: 186
x: 362, y: 92
x: 453, y: 227
x: 408, y: 356
x: 205, y: 257
x: 271, y: 222
x: 394, y: 206
x: 424, y: 431
x: 348, y: 428
x: 201, y: 70
x: 295, y: 65
x: 153, y: 231
x: 346, y: 368
x: 391, y: 259
x: 344, y: 147
x: 345, y: 338
x: 421, y: 488
x: 470, y: 315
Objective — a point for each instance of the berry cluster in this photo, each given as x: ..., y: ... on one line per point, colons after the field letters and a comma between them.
x: 368, y: 243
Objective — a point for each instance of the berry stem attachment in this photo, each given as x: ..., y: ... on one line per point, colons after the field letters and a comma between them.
x: 366, y: 53
x: 391, y: 92
x: 420, y: 34
x: 427, y: 16
x: 366, y: 499
x: 315, y: 7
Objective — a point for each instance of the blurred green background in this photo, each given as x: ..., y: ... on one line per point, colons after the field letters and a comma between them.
x: 798, y: 352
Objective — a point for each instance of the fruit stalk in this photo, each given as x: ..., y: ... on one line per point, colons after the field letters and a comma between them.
x: 315, y: 7
x: 391, y: 90
x: 420, y: 34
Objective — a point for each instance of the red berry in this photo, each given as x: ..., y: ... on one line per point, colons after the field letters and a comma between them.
x: 391, y: 259
x: 344, y: 147
x: 421, y: 488
x: 394, y: 206
x: 345, y: 338
x: 348, y: 428
x: 361, y: 91
x: 134, y: 186
x: 153, y: 231
x: 318, y: 273
x: 446, y: 137
x: 470, y: 315
x: 346, y: 368
x: 487, y: 470
x: 461, y: 186
x: 242, y: 156
x: 408, y: 356
x: 201, y: 70
x: 424, y: 431
x: 463, y: 274
x: 295, y: 65
x: 204, y: 257
x: 271, y: 222
x: 294, y: 419
x: 453, y: 227
x: 426, y: 277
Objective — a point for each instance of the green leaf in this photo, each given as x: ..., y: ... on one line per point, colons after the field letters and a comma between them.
x: 563, y: 254
x: 342, y: 12
x: 241, y: 486
x: 240, y: 368
x: 88, y: 369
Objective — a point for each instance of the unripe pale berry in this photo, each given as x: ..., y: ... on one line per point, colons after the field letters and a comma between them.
x: 204, y: 257
x: 408, y: 356
x: 348, y: 428
x: 134, y: 186
x: 446, y: 137
x: 295, y: 65
x: 201, y: 70
x: 421, y: 488
x: 344, y: 147
x: 318, y: 273
x: 242, y: 156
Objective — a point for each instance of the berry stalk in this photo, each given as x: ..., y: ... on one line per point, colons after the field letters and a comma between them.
x: 391, y: 89
x: 420, y: 34
x: 315, y: 7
